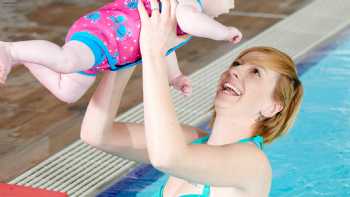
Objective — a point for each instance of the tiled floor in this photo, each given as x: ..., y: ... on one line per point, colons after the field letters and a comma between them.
x: 34, y: 124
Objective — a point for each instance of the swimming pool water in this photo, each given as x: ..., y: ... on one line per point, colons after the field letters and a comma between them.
x: 314, y: 158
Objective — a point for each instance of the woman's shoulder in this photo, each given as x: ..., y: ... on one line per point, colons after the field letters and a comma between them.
x: 256, y: 164
x: 264, y: 170
x: 256, y: 156
x: 253, y: 151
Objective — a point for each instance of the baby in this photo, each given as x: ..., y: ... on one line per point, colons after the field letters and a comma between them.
x: 107, y: 40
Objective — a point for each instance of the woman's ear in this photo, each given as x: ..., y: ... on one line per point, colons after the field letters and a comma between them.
x: 272, y: 110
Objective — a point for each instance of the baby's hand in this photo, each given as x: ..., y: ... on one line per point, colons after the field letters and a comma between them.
x: 234, y: 35
x: 182, y: 84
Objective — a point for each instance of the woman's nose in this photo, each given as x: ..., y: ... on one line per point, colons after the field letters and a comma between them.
x: 234, y: 73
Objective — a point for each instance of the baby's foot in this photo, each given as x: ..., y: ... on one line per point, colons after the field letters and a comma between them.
x: 5, y: 61
x: 234, y: 35
x: 182, y: 84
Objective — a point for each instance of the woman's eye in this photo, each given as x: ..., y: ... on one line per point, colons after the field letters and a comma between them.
x: 256, y: 72
x: 235, y: 64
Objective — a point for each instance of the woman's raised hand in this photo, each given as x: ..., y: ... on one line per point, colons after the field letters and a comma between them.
x: 158, y: 31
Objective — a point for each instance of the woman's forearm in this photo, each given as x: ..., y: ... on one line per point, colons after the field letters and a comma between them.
x: 199, y: 24
x: 163, y: 132
x: 103, y: 106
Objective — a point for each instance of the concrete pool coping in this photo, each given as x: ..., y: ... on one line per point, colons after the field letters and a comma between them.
x: 81, y: 170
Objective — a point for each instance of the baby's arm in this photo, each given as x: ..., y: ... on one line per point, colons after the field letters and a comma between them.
x: 194, y: 22
x: 179, y: 81
x: 173, y: 66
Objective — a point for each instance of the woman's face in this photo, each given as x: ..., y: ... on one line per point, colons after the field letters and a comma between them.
x: 246, y: 89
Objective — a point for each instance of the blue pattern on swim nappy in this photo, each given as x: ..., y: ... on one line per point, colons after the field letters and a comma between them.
x: 94, y: 16
x: 121, y: 29
x: 132, y: 4
x: 117, y: 20
x: 120, y: 19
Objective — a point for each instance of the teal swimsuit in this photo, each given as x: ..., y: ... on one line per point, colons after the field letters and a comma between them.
x: 258, y: 141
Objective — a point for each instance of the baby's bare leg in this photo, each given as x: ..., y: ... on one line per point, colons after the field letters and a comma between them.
x: 67, y: 87
x: 72, y: 57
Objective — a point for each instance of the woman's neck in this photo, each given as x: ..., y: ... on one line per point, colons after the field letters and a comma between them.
x: 228, y: 131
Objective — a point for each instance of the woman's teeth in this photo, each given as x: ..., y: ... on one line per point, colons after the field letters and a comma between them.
x: 236, y: 91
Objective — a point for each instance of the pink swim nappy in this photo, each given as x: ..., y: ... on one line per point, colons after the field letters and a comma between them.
x: 112, y: 33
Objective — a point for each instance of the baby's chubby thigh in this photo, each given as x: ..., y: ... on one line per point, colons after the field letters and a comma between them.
x: 73, y: 86
x: 94, y: 36
x: 80, y: 56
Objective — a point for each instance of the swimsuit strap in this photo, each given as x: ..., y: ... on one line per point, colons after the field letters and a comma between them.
x: 206, y: 191
x: 201, y: 140
x: 257, y: 140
